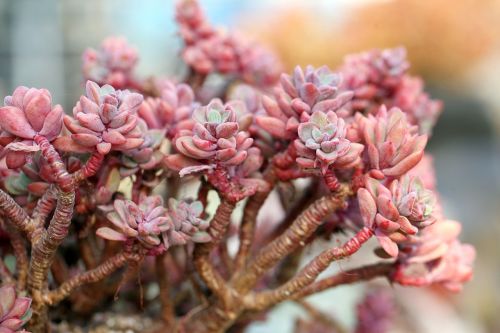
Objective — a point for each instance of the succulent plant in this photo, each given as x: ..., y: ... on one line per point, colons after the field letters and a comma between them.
x: 376, y: 313
x: 392, y: 146
x: 373, y: 76
x: 396, y: 212
x: 106, y: 119
x: 14, y: 310
x: 215, y: 136
x: 439, y: 254
x: 186, y: 223
x: 300, y: 95
x: 419, y: 108
x: 27, y: 113
x: 144, y: 222
x: 113, y: 63
x: 322, y: 143
x: 172, y: 111
x: 146, y: 157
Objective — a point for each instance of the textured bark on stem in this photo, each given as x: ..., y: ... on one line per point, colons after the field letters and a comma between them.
x: 307, y: 275
x: 16, y: 214
x: 42, y: 255
x: 201, y: 255
x: 90, y: 167
x: 22, y: 263
x: 167, y: 308
x: 44, y: 206
x: 100, y: 272
x: 355, y: 275
x: 247, y: 228
x: 61, y: 175
x: 294, y: 237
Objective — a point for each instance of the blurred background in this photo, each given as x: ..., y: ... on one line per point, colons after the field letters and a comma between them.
x: 454, y: 45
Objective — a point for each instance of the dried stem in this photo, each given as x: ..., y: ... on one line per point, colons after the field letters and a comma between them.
x: 355, y: 275
x: 90, y: 167
x: 43, y: 253
x: 307, y: 275
x: 61, y: 175
x: 294, y: 237
x: 167, y: 308
x: 44, y: 206
x: 16, y: 214
x: 201, y: 255
x: 21, y: 254
x: 100, y: 272
x: 247, y: 228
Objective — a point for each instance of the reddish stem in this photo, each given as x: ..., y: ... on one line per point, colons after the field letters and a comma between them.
x: 61, y: 175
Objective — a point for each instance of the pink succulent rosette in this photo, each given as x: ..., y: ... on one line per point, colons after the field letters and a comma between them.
x: 113, y: 63
x: 373, y: 76
x: 144, y: 222
x: 299, y: 96
x: 26, y: 114
x: 106, y: 119
x: 420, y: 109
x: 436, y: 256
x: 186, y: 224
x: 397, y: 212
x: 392, y: 146
x: 376, y: 312
x: 215, y: 139
x: 208, y: 50
x: 172, y: 110
x: 14, y: 310
x: 322, y: 143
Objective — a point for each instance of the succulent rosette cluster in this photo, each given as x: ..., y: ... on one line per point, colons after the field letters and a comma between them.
x: 392, y: 145
x: 436, y: 256
x: 143, y: 222
x: 420, y: 109
x: 113, y: 63
x: 373, y: 76
x: 396, y: 212
x: 322, y: 143
x: 172, y: 110
x: 106, y: 119
x: 298, y: 97
x: 376, y: 312
x: 186, y: 224
x: 152, y: 225
x: 380, y: 77
x: 208, y: 50
x: 25, y: 114
x: 214, y: 139
x: 14, y: 310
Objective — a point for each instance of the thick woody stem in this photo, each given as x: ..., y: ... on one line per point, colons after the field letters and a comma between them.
x: 201, y: 255
x: 61, y: 175
x: 309, y: 273
x: 44, y: 206
x: 16, y: 214
x: 43, y: 252
x: 355, y: 275
x: 167, y: 308
x: 100, y: 272
x: 90, y: 168
x: 21, y: 254
x: 293, y: 238
x: 247, y: 228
